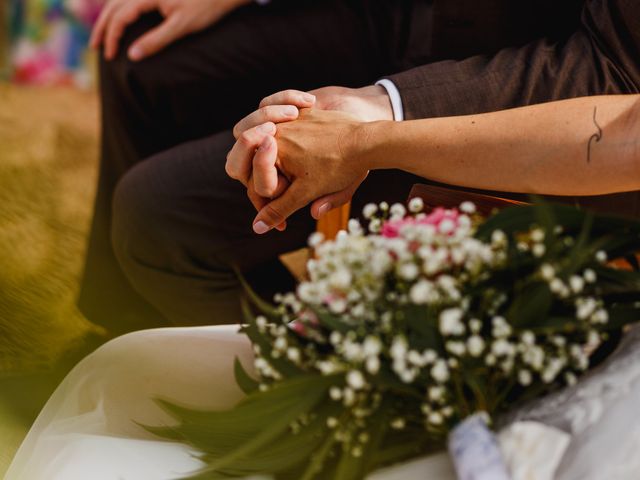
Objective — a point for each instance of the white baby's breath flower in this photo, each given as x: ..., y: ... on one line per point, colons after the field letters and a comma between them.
x: 348, y: 397
x: 375, y: 225
x: 436, y: 393
x: 341, y: 279
x: 585, y: 307
x: 416, y: 205
x: 525, y: 378
x: 576, y: 283
x: 422, y: 292
x: 372, y: 365
x: 335, y: 393
x: 332, y: 422
x: 537, y: 235
x: 429, y: 356
x: 398, y: 423
x: 475, y: 325
x: 558, y: 287
x: 440, y: 371
x: 456, y: 348
x: 261, y: 322
x: 397, y: 210
x: 589, y: 276
x: 498, y: 238
x: 399, y: 347
x: 451, y: 322
x: 293, y: 354
x: 502, y: 347
x: 408, y: 271
x: 475, y: 345
x: 446, y: 226
x: 371, y: 346
x: 435, y: 418
x: 601, y: 256
x: 468, y: 207
x: 354, y: 227
x: 356, y: 380
x: 600, y: 316
x: 315, y: 239
x: 538, y: 250
x: 528, y: 337
x: 369, y: 210
x: 338, y: 305
x: 547, y: 272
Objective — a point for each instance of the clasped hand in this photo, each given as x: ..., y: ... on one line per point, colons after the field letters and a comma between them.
x: 289, y: 154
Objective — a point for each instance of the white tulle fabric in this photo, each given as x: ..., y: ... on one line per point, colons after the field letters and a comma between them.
x: 88, y: 428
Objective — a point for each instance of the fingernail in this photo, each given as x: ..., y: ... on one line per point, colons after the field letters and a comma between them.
x: 290, y: 111
x: 135, y: 53
x: 266, y: 128
x: 324, y: 208
x: 260, y: 227
x: 308, y: 97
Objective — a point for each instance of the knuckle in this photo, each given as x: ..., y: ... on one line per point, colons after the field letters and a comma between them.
x: 272, y: 213
x: 245, y: 138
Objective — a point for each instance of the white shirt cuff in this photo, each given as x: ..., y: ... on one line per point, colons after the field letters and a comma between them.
x: 394, y: 96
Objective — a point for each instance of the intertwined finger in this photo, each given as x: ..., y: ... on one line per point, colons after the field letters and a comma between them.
x: 240, y: 158
x: 281, y: 208
x: 290, y: 97
x: 265, y: 173
x: 259, y: 202
x: 268, y: 113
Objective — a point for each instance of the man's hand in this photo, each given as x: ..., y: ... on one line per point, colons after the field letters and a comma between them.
x: 253, y: 150
x: 181, y: 17
x: 317, y: 155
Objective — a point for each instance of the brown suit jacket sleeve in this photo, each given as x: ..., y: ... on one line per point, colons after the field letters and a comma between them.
x: 601, y: 57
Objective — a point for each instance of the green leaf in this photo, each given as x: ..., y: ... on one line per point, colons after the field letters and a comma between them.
x: 620, y: 316
x: 265, y: 308
x: 331, y: 321
x: 246, y: 383
x: 423, y: 323
x: 531, y: 306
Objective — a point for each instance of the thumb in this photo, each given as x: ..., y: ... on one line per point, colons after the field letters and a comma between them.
x: 279, y: 209
x: 156, y: 39
x: 323, y: 205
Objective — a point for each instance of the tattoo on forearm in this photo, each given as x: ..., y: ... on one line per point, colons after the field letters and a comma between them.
x: 596, y: 137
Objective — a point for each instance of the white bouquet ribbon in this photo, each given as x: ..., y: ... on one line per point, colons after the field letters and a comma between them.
x: 521, y: 451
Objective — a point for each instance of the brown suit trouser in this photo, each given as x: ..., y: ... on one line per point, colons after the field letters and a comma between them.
x: 176, y: 222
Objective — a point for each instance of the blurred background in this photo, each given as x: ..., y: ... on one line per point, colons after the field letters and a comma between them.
x: 48, y: 167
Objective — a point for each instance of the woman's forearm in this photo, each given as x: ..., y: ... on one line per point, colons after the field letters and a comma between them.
x: 583, y: 146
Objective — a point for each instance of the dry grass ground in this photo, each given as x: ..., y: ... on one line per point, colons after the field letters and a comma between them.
x: 48, y: 164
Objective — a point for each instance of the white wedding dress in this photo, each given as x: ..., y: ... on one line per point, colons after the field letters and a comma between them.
x: 88, y: 428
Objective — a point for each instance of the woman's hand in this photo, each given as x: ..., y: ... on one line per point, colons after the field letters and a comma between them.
x: 181, y: 17
x: 317, y: 156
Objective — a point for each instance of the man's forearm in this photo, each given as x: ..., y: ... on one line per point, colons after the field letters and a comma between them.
x: 584, y: 146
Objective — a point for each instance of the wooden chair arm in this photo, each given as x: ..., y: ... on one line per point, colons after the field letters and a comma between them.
x: 436, y: 196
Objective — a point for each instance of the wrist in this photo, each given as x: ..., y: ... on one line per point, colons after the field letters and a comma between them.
x: 368, y: 144
x: 378, y: 103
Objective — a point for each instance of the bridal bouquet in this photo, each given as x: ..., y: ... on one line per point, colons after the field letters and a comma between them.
x: 403, y: 332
